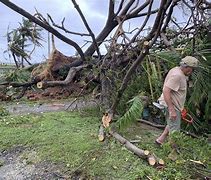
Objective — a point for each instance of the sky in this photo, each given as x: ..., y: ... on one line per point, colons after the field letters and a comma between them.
x: 95, y: 12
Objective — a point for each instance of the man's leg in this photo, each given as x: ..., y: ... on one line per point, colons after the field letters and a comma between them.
x: 172, y: 125
x: 163, y: 136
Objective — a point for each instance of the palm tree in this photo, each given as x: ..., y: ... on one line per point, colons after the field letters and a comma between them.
x: 20, y: 39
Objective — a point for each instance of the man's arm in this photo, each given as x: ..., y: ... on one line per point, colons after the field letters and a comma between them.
x: 167, y: 98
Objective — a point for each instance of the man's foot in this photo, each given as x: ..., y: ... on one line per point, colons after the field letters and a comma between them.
x: 158, y: 142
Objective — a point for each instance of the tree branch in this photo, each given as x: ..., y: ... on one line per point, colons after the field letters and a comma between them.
x: 144, y: 52
x: 87, y: 26
x: 64, y: 29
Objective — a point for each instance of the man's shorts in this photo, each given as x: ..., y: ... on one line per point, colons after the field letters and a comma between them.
x: 174, y: 125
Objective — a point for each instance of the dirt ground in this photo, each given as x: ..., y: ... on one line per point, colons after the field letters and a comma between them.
x: 53, y: 105
x: 23, y: 164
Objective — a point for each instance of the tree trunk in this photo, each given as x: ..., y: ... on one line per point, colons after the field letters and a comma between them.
x: 101, y: 37
x: 139, y: 152
x: 16, y: 63
x: 106, y: 92
x: 71, y: 74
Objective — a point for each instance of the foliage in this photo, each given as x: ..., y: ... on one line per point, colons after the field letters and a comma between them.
x: 199, y: 101
x: 137, y: 85
x: 3, y: 112
x: 20, y: 39
x: 22, y: 75
x: 153, y: 71
x: 134, y: 112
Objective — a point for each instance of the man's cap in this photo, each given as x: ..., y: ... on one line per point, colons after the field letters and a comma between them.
x: 189, y: 61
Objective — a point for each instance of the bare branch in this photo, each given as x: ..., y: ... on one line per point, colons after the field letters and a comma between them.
x: 145, y: 49
x: 71, y: 74
x: 142, y: 27
x: 127, y: 7
x: 143, y: 14
x: 87, y: 26
x: 166, y: 42
x: 112, y: 23
x: 138, y: 10
x: 110, y: 11
x: 169, y: 15
x: 64, y: 29
x: 120, y: 6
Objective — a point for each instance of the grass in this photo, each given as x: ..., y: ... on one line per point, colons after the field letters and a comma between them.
x: 70, y: 139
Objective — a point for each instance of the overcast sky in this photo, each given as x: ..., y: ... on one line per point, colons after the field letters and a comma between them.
x: 95, y: 12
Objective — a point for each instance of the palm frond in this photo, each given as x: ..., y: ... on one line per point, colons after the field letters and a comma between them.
x: 133, y: 112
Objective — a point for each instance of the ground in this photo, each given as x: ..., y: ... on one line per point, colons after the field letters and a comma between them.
x: 64, y: 145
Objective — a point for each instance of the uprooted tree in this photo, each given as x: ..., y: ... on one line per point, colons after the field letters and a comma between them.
x: 113, y: 71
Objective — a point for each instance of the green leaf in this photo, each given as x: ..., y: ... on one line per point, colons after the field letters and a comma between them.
x: 133, y: 113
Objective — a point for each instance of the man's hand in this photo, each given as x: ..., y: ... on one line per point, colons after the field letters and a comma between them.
x: 168, y: 100
x: 172, y: 114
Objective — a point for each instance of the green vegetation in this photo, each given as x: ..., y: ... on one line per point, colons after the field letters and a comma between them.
x: 70, y: 138
x: 3, y: 111
x: 20, y: 41
x: 133, y: 112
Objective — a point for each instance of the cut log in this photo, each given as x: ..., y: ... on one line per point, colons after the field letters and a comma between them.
x: 139, y: 152
x: 106, y: 119
x: 101, y: 134
x: 145, y: 154
x: 146, y: 43
x: 68, y: 79
x: 151, y: 160
x: 135, y: 141
x: 161, y: 162
x: 154, y: 160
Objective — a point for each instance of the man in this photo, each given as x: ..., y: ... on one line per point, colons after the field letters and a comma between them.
x: 174, y: 95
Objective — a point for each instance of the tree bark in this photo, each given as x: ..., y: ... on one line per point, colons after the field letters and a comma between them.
x: 16, y: 84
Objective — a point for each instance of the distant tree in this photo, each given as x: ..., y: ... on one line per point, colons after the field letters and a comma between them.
x: 20, y: 39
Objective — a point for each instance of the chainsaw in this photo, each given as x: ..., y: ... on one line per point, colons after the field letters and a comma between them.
x: 184, y: 114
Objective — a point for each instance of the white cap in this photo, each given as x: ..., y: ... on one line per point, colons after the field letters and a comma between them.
x: 189, y: 61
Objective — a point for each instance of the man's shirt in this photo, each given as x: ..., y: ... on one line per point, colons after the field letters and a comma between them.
x: 177, y: 82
